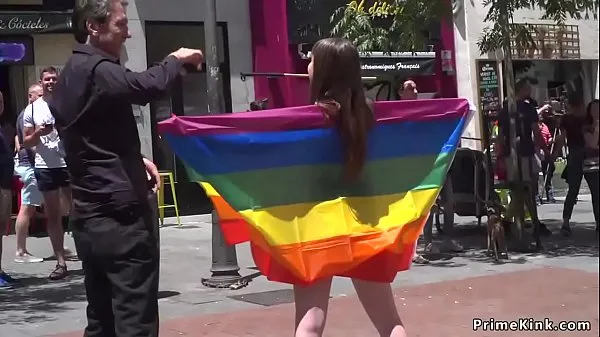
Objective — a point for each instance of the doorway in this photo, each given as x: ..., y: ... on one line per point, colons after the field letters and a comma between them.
x: 188, y: 98
x: 5, y: 87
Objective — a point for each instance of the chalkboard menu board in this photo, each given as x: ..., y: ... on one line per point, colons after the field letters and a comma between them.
x: 488, y: 82
x: 309, y: 20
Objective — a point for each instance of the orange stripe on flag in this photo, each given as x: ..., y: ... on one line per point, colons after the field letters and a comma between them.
x: 235, y: 228
x: 373, y: 257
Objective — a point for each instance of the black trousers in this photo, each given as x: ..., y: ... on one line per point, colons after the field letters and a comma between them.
x: 120, y: 257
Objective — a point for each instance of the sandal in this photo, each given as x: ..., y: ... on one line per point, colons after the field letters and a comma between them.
x: 59, y: 273
x: 418, y: 259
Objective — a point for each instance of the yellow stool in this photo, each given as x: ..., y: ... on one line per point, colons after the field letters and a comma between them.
x: 161, y: 198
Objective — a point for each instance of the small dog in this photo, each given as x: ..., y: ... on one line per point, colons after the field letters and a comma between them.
x: 495, y: 234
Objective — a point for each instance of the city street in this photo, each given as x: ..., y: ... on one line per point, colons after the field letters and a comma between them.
x: 560, y: 283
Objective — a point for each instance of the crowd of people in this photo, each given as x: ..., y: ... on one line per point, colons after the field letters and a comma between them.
x: 39, y: 163
x: 542, y: 134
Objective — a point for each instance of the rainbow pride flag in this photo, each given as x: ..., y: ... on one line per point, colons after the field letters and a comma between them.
x: 281, y: 171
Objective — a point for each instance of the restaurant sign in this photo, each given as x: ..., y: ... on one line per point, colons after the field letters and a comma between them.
x: 397, y: 66
x: 26, y: 23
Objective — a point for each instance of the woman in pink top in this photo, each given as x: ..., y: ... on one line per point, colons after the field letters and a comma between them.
x: 547, y: 161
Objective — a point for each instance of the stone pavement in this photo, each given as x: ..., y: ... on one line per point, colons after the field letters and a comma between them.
x: 440, y: 309
x: 42, y: 308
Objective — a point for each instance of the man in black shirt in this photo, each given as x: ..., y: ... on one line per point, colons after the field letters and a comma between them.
x: 529, y: 135
x: 111, y: 215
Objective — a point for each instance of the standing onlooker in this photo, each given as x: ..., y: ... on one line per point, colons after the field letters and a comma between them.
x: 112, y: 218
x: 572, y: 125
x: 50, y: 167
x: 529, y: 135
x: 6, y: 176
x: 547, y: 161
x: 30, y: 195
x: 591, y: 134
x: 408, y: 91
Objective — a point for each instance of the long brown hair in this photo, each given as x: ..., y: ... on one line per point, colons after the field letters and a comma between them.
x: 336, y: 82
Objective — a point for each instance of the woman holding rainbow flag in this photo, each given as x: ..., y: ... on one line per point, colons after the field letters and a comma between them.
x: 338, y: 188
x: 336, y: 86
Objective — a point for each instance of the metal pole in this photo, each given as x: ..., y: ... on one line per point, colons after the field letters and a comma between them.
x: 224, y: 269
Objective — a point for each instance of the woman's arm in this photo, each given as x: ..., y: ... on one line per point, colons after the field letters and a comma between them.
x: 590, y: 135
x: 17, y: 144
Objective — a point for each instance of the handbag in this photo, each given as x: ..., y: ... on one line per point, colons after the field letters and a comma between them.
x: 590, y: 165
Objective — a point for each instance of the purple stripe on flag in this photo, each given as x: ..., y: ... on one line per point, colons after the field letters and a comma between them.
x: 310, y: 117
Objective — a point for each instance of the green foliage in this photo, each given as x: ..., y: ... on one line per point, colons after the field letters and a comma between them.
x: 501, y: 12
x: 389, y: 25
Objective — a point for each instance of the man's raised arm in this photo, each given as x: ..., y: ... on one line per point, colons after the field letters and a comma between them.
x: 140, y: 88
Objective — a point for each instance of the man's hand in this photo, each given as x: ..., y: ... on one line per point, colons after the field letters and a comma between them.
x: 44, y: 130
x: 153, y: 172
x: 545, y: 108
x: 189, y: 56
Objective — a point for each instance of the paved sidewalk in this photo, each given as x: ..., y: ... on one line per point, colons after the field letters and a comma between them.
x: 445, y: 309
x: 41, y: 308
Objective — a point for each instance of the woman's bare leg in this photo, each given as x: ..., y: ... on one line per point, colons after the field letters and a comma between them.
x: 311, y: 308
x: 378, y: 300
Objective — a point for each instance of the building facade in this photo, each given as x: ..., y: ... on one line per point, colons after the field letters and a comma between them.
x: 283, y: 30
x: 565, y: 59
x: 158, y: 27
x: 33, y: 34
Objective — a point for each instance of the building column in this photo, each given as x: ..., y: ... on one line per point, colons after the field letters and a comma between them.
x: 466, y: 79
x: 133, y: 57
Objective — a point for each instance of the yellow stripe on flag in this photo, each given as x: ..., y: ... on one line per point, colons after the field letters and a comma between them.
x: 341, y: 217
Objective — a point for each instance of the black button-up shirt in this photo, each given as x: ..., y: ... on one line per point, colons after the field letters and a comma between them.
x: 92, y: 107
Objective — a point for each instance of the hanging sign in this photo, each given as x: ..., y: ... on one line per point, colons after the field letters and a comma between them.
x: 27, y: 23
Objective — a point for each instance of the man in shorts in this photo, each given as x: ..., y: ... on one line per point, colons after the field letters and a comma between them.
x: 50, y: 168
x: 6, y: 172
x: 30, y: 195
x: 530, y: 136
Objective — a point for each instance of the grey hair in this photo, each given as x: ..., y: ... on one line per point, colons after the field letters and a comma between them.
x: 90, y: 10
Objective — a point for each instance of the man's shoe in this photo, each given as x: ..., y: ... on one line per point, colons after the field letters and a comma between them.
x: 6, y: 282
x: 566, y: 230
x: 5, y: 285
x: 453, y: 246
x: 544, y: 231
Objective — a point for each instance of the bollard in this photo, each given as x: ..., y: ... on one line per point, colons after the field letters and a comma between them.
x: 224, y: 269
